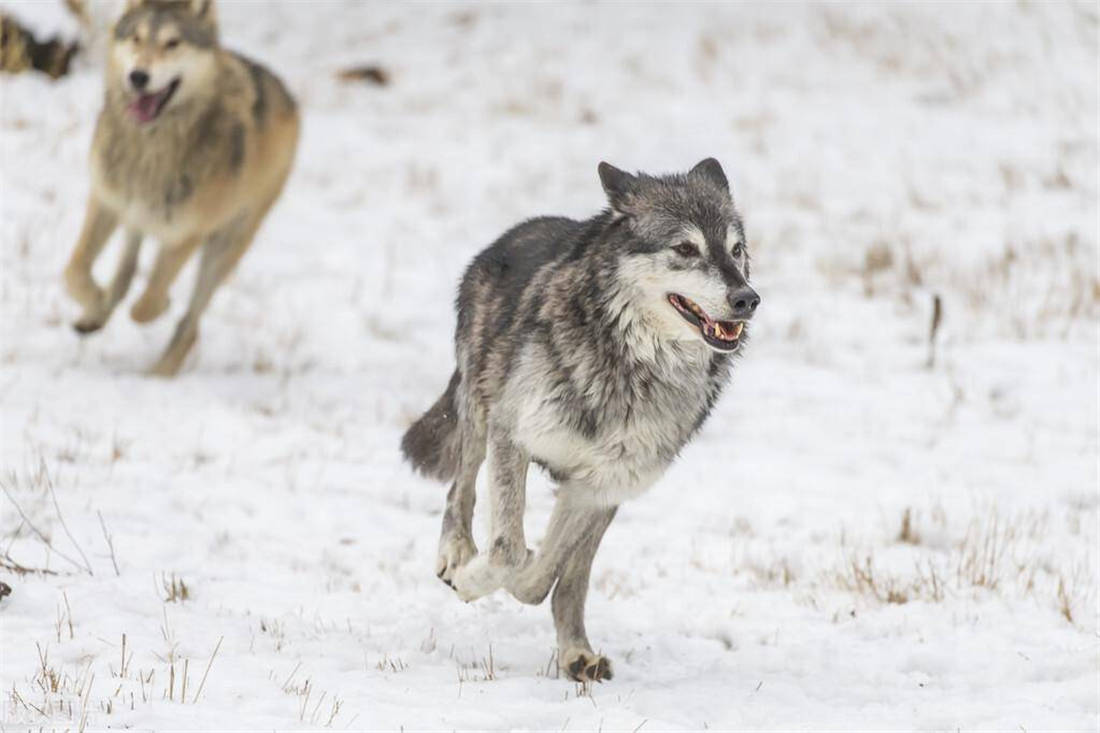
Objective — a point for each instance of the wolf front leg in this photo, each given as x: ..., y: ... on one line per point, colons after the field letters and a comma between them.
x: 99, y: 223
x: 96, y: 318
x: 575, y: 655
x: 507, y: 551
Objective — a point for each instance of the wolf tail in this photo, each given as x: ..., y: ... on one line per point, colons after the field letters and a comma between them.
x: 434, y: 442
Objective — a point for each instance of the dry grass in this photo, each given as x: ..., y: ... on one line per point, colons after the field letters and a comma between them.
x: 318, y: 710
x: 907, y: 534
x: 994, y: 554
x: 173, y: 589
x: 479, y: 670
x: 69, y: 692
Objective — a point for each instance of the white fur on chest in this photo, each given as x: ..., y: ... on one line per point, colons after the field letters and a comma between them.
x: 150, y: 212
x: 623, y: 459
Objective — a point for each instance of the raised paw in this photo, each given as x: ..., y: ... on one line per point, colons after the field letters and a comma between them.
x: 454, y: 552
x: 89, y: 323
x: 478, y: 578
x: 147, y: 308
x: 96, y: 309
x: 583, y: 665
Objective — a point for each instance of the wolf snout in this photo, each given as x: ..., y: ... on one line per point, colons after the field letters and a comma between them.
x: 744, y: 301
x: 139, y: 79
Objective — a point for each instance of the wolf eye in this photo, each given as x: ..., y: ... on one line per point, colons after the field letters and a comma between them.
x: 169, y: 45
x: 686, y: 249
x: 738, y: 250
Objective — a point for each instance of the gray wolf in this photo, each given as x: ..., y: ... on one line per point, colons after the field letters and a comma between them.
x: 192, y: 147
x: 594, y: 349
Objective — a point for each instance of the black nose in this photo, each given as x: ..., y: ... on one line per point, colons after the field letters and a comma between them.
x: 139, y: 79
x: 744, y: 301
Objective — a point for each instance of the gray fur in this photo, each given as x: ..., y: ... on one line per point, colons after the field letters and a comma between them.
x: 570, y: 357
x: 432, y: 444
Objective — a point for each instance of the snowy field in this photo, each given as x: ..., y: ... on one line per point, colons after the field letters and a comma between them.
x: 856, y: 540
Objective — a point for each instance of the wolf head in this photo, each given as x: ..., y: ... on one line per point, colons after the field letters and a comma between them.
x: 163, y: 53
x: 682, y: 257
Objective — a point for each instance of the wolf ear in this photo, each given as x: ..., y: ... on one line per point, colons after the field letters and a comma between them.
x: 203, y: 8
x: 618, y: 185
x: 711, y: 170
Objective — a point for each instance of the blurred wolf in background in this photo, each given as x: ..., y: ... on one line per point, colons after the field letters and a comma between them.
x: 594, y: 349
x: 192, y: 147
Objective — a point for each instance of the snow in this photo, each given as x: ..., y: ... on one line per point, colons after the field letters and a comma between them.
x: 881, y: 154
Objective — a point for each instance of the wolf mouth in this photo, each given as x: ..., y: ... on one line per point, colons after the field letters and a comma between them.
x: 147, y: 107
x: 719, y: 335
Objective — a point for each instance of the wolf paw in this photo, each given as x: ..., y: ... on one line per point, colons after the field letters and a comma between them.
x: 147, y: 308
x: 96, y: 309
x: 89, y: 323
x: 454, y: 552
x: 478, y: 578
x: 583, y: 665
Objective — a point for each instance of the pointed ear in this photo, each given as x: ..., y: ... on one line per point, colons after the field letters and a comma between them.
x: 711, y: 170
x: 618, y: 185
x: 203, y: 9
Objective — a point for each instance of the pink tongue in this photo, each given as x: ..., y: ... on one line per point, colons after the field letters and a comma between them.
x: 144, y: 108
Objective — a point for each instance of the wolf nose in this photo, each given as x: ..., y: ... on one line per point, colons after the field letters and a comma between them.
x: 139, y: 79
x: 744, y: 301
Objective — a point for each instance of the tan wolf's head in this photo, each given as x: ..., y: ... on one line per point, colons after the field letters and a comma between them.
x: 163, y: 53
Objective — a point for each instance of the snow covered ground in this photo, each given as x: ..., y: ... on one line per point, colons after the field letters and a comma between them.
x: 881, y: 154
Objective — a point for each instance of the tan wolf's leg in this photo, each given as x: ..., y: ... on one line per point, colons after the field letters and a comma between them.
x: 220, y: 254
x: 99, y: 223
x: 93, y: 320
x: 170, y: 260
x: 127, y: 265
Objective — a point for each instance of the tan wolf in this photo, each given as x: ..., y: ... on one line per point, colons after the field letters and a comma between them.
x: 192, y: 147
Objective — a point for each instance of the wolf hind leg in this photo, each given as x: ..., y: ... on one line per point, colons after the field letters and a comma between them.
x: 456, y: 538
x: 488, y: 571
x: 99, y: 224
x: 221, y: 252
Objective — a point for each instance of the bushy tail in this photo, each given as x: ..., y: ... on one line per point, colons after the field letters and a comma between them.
x: 434, y: 442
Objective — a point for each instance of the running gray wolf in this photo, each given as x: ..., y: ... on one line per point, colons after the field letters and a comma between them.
x: 192, y: 147
x: 594, y: 349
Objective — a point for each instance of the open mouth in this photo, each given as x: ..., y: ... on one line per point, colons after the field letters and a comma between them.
x: 147, y: 107
x: 719, y: 335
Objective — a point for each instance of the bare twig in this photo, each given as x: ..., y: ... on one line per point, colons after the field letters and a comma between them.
x: 9, y: 563
x: 207, y: 671
x: 45, y: 540
x: 110, y: 542
x: 937, y: 318
x: 61, y: 519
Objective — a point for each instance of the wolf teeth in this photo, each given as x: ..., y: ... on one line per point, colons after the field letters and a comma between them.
x: 737, y: 330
